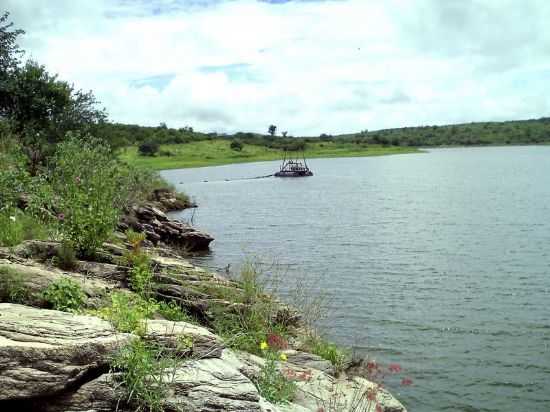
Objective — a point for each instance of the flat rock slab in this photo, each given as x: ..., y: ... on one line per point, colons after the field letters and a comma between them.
x: 210, y: 385
x: 43, y: 352
x: 309, y: 360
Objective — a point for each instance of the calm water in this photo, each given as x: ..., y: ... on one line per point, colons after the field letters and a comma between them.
x: 437, y: 261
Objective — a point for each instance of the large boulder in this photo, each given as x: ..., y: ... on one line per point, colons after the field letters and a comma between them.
x: 44, y: 352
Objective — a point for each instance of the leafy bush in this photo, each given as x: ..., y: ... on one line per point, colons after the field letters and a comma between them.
x: 144, y: 372
x: 64, y: 294
x: 12, y: 287
x: 89, y: 192
x: 127, y: 312
x: 148, y: 148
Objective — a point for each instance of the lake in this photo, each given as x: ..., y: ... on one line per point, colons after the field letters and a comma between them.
x: 438, y: 261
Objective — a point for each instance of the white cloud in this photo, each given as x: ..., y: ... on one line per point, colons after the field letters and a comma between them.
x: 307, y: 66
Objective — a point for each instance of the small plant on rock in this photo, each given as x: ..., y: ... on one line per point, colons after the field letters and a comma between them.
x: 140, y: 272
x: 12, y: 288
x: 64, y: 294
x: 271, y: 383
x: 328, y: 351
x: 127, y: 312
x: 65, y: 257
x: 174, y: 312
x: 143, y: 373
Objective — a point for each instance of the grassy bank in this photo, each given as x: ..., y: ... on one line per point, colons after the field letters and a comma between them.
x: 218, y: 152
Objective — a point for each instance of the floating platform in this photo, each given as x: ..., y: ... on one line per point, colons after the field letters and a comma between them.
x: 293, y: 168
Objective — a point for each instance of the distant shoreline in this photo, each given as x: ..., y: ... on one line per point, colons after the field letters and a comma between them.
x: 218, y: 153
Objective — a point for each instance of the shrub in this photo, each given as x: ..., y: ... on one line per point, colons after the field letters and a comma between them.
x: 12, y: 287
x: 89, y: 192
x: 64, y: 294
x: 143, y: 371
x: 236, y: 145
x: 148, y: 148
x: 127, y: 312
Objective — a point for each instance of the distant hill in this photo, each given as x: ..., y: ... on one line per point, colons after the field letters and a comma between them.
x: 534, y: 131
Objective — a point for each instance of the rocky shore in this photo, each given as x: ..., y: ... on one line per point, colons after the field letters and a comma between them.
x: 53, y: 361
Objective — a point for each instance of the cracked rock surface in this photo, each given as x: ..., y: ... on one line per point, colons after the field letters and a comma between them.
x: 46, y: 351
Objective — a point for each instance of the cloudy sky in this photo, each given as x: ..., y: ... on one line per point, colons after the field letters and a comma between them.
x: 309, y: 66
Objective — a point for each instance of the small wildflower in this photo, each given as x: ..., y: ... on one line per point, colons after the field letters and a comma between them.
x: 264, y: 346
x: 77, y: 179
x: 379, y: 408
x: 394, y: 367
x: 12, y: 218
x: 283, y: 357
x: 61, y: 216
x: 276, y: 341
x: 372, y: 365
x: 406, y: 381
x: 371, y: 394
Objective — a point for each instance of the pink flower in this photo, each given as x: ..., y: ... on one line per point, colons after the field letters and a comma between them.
x: 394, y: 367
x: 276, y: 342
x: 77, y: 180
x: 61, y: 217
x: 371, y: 394
x: 406, y: 381
x: 372, y: 365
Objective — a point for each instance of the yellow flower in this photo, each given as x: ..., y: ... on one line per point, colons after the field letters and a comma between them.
x: 283, y: 357
x: 264, y: 346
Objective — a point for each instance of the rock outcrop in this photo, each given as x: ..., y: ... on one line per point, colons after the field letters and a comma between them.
x: 44, y: 352
x: 162, y: 230
x: 53, y: 361
x: 168, y: 200
x: 33, y: 278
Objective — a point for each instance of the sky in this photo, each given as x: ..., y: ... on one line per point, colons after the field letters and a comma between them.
x: 309, y: 66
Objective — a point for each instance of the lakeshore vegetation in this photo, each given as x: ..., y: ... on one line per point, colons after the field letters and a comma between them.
x: 61, y: 180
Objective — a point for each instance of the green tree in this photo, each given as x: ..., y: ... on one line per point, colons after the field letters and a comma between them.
x: 43, y: 109
x: 9, y: 59
x: 272, y: 130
